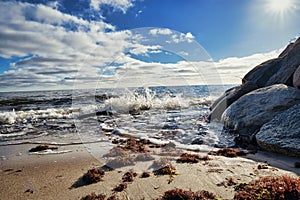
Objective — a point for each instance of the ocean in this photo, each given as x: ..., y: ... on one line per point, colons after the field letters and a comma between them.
x: 161, y: 114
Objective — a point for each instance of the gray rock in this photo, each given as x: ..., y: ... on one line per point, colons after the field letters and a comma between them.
x: 282, y: 133
x: 230, y: 96
x: 279, y: 70
x: 296, y: 78
x: 251, y: 111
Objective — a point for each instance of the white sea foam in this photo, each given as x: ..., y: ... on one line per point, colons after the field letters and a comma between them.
x: 34, y: 115
x: 50, y: 151
x: 131, y: 101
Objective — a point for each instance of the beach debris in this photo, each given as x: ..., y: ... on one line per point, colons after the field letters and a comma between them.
x: 30, y: 187
x: 94, y: 196
x: 129, y: 176
x: 179, y: 194
x: 164, y: 167
x: 263, y: 166
x: 144, y: 157
x: 120, y: 187
x: 29, y: 191
x: 169, y: 170
x: 136, y: 146
x: 277, y: 188
x: 113, y: 197
x: 120, y: 162
x: 297, y: 165
x: 228, y: 152
x: 42, y: 148
x: 8, y: 170
x: 191, y: 158
x: 93, y: 176
x: 166, y: 170
x: 218, y: 170
x: 145, y: 175
x: 227, y: 183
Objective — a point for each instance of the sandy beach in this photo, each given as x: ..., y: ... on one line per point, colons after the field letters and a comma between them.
x: 25, y: 176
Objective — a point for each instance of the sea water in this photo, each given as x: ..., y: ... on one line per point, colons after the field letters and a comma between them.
x: 174, y: 114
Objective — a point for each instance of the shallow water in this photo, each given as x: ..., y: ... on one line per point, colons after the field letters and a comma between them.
x: 161, y: 114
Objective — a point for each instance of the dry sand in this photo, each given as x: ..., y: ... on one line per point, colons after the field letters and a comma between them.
x: 51, y: 176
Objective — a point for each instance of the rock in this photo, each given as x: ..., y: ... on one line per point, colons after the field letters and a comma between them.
x: 254, y: 109
x: 296, y: 78
x: 230, y: 96
x: 198, y: 141
x: 282, y: 133
x: 277, y: 71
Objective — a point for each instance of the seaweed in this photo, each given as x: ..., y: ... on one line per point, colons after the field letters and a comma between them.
x: 41, y: 148
x: 227, y: 182
x: 228, y: 152
x: 179, y: 194
x: 93, y: 176
x: 120, y: 187
x: 136, y: 146
x: 129, y: 176
x: 145, y: 175
x: 113, y: 197
x: 191, y: 158
x: 144, y: 157
x: 93, y: 196
x: 276, y: 188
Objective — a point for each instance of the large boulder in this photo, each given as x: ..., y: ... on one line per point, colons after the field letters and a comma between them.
x: 230, y: 96
x: 275, y: 71
x: 251, y: 111
x: 282, y: 133
x: 296, y: 78
x: 279, y: 70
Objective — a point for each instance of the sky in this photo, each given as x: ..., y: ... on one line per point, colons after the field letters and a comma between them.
x: 63, y: 44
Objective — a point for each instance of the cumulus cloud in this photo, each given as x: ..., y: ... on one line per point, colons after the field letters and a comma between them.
x: 233, y: 69
x: 57, y: 43
x: 122, y: 5
x: 160, y: 31
x: 62, y: 50
x: 225, y: 71
x: 188, y: 37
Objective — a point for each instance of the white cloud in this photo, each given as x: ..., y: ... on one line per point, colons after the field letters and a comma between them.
x: 233, y: 69
x: 226, y: 71
x: 160, y: 31
x: 122, y: 5
x: 61, y: 50
x: 188, y: 37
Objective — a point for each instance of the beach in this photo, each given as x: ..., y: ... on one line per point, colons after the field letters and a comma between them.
x: 25, y: 176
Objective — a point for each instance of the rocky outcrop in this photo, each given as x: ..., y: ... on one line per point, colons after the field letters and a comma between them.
x: 296, y: 78
x: 277, y: 71
x: 251, y: 111
x: 282, y: 133
x: 230, y: 96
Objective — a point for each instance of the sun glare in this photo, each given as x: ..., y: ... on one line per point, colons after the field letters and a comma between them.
x: 281, y: 8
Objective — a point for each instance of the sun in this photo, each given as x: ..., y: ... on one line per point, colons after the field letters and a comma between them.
x: 281, y: 8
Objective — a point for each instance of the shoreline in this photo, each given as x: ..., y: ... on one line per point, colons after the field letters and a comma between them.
x: 51, y: 176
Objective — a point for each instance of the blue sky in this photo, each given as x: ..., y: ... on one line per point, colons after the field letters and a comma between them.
x: 110, y: 43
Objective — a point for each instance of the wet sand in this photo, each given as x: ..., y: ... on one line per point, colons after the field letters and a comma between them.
x: 26, y: 176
